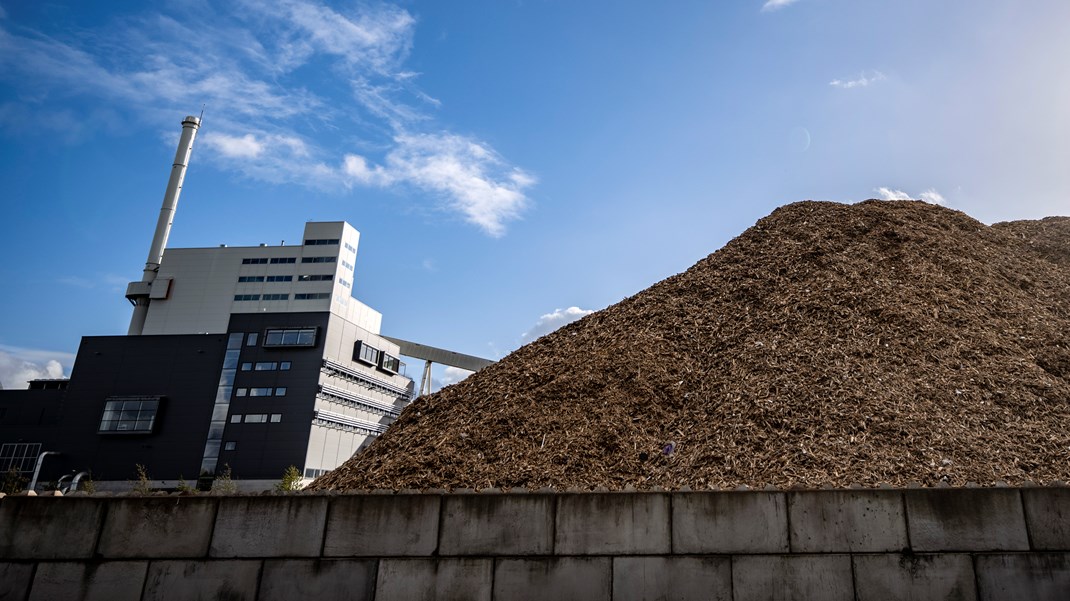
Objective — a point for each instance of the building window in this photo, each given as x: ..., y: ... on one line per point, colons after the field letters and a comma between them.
x: 347, y: 266
x: 235, y: 419
x: 280, y: 391
x: 283, y: 260
x: 280, y: 278
x: 131, y: 415
x: 19, y: 456
x: 259, y: 392
x: 246, y: 297
x: 276, y: 418
x: 350, y: 248
x: 366, y: 353
x: 321, y: 242
x: 256, y: 418
x: 251, y: 340
x: 250, y: 278
x: 241, y: 391
x: 257, y: 261
x: 311, y: 295
x: 294, y: 337
x: 276, y: 297
x: 319, y: 277
x: 266, y: 366
x: 246, y: 366
x: 390, y: 363
x: 318, y: 259
x: 343, y: 282
x: 230, y: 446
x: 284, y: 366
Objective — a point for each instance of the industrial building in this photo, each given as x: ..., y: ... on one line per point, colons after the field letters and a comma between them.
x: 247, y: 358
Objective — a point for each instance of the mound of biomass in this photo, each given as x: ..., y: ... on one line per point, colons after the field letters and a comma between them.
x: 829, y: 344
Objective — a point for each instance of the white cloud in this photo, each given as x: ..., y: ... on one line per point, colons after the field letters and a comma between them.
x: 890, y: 194
x: 930, y: 195
x: 245, y: 147
x: 263, y: 124
x: 19, y: 365
x: 471, y: 178
x: 777, y: 4
x: 864, y: 79
x: 551, y: 321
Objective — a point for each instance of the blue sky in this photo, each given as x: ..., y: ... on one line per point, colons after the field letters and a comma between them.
x: 510, y: 165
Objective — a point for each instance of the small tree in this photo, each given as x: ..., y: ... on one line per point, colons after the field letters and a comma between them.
x: 185, y: 487
x: 224, y: 483
x: 14, y: 481
x: 291, y: 480
x: 143, y: 484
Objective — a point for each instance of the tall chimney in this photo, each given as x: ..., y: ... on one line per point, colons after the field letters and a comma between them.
x: 138, y: 293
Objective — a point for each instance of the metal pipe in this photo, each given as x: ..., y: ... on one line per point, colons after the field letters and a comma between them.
x: 138, y: 292
x: 37, y: 469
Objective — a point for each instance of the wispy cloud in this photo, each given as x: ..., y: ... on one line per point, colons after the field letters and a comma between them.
x: 19, y: 365
x: 293, y: 90
x: 930, y: 195
x: 866, y: 78
x: 776, y: 4
x: 551, y: 321
x: 890, y: 194
x: 469, y: 175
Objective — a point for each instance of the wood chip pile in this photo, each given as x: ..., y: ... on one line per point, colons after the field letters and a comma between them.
x: 828, y: 345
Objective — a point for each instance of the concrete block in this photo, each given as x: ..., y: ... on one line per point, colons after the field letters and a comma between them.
x: 202, y: 580
x: 157, y: 527
x: 497, y: 525
x: 15, y: 580
x: 287, y: 579
x: 434, y: 579
x: 56, y: 528
x: 786, y: 577
x: 1047, y: 516
x: 382, y: 526
x: 966, y: 519
x: 89, y: 581
x: 612, y: 524
x: 729, y: 522
x: 672, y: 578
x: 846, y: 521
x: 916, y: 577
x: 557, y: 578
x: 1033, y: 576
x: 290, y: 526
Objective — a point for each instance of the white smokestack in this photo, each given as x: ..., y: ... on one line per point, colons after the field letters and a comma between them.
x: 138, y: 292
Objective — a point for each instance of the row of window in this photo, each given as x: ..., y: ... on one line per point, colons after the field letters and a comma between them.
x: 366, y: 353
x: 260, y: 278
x: 268, y: 391
x: 322, y: 242
x: 321, y: 277
x: 347, y: 266
x: 129, y: 415
x: 256, y: 418
x: 350, y: 248
x: 318, y: 259
x: 265, y: 365
x: 282, y: 297
x: 291, y: 337
x: 267, y: 261
x: 343, y: 282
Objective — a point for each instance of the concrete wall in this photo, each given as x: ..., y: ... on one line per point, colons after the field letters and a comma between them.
x: 969, y: 544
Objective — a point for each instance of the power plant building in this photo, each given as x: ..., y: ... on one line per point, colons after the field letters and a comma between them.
x: 253, y: 358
